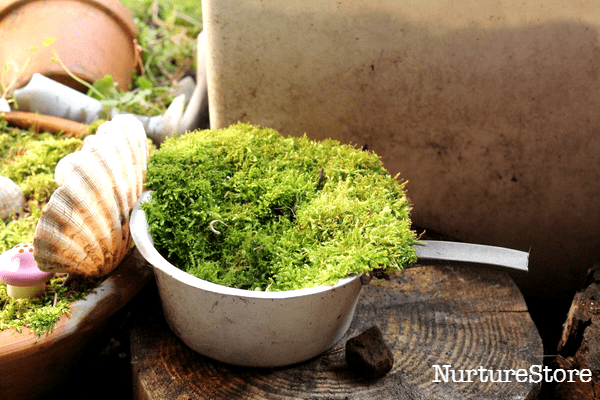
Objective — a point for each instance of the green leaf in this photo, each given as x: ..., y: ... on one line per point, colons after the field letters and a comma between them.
x: 144, y: 83
x: 48, y: 41
x: 106, y: 86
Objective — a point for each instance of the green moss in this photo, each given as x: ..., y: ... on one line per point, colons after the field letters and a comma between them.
x: 39, y: 186
x: 41, y: 314
x: 292, y: 213
x: 39, y: 157
x: 166, y: 36
x: 29, y: 159
x: 20, y: 230
x: 93, y: 127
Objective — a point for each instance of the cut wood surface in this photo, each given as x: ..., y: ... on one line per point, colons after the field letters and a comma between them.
x: 430, y: 315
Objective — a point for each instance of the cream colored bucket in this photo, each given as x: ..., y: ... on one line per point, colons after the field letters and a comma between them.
x: 491, y: 110
x: 244, y: 327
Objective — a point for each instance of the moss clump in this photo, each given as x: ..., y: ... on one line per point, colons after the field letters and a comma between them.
x: 20, y: 230
x: 29, y: 159
x: 39, y: 314
x: 291, y: 213
x: 39, y: 156
x: 39, y: 186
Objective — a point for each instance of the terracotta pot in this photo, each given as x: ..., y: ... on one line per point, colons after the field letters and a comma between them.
x: 48, y: 362
x: 93, y: 38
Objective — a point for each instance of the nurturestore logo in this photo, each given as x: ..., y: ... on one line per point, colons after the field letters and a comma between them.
x: 534, y: 374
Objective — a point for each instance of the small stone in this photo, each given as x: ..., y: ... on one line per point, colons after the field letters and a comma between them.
x: 368, y: 354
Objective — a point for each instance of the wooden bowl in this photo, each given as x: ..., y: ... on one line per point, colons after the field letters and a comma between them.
x: 30, y: 368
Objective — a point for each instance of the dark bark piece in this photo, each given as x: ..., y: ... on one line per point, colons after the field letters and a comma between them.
x: 579, y: 347
x: 368, y: 355
x: 584, y: 308
x: 465, y: 317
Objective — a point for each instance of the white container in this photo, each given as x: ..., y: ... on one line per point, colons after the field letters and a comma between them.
x: 488, y: 108
x: 242, y: 327
x: 46, y: 96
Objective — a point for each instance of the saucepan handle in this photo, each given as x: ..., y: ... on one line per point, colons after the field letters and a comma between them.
x: 477, y: 255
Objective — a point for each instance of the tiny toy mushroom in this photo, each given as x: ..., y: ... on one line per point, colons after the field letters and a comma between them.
x: 19, y: 271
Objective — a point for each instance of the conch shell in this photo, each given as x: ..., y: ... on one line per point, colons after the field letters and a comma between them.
x: 84, y: 229
x: 11, y: 197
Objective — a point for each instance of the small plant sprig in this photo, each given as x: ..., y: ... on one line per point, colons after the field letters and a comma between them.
x: 166, y: 39
x: 56, y: 58
x: 166, y: 33
x: 7, y: 89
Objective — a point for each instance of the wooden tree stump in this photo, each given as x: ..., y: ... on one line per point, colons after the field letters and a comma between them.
x: 435, y: 315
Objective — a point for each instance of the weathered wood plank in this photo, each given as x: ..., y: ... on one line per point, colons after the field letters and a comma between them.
x: 464, y: 317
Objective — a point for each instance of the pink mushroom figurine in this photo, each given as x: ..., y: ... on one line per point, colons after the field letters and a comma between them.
x: 19, y: 271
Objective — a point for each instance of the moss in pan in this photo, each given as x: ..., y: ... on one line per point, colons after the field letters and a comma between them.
x: 247, y: 208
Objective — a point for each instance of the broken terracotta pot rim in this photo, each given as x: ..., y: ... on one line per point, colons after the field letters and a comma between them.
x: 94, y: 38
x: 114, y: 8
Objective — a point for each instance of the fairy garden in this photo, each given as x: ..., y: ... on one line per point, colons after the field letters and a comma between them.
x: 59, y: 204
x: 29, y: 157
x: 265, y: 217
x: 27, y: 163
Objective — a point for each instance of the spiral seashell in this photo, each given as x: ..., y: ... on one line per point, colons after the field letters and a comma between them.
x: 84, y: 229
x: 11, y: 197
